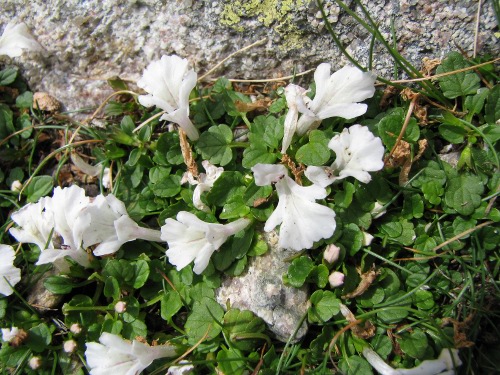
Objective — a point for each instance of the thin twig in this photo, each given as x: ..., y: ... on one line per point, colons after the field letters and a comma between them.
x: 230, y: 56
x: 445, y: 74
x: 405, y: 125
x: 265, y: 80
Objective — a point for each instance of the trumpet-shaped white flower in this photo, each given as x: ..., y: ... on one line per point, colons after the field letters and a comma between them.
x: 114, y: 355
x: 296, y: 100
x: 169, y: 82
x: 8, y: 273
x: 190, y: 238
x: 303, y: 221
x: 15, y: 39
x: 56, y: 226
x: 338, y: 94
x: 110, y: 226
x: 204, y: 183
x: 357, y: 152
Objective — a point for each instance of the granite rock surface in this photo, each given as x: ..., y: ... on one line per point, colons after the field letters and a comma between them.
x: 88, y: 41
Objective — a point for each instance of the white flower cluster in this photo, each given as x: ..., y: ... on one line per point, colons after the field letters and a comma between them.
x: 69, y: 223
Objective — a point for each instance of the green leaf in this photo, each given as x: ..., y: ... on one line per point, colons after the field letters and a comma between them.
x: 257, y: 153
x: 343, y: 198
x: 171, y: 303
x: 58, y: 284
x: 474, y: 104
x: 39, y: 338
x: 319, y: 275
x: 241, y: 326
x: 492, y: 109
x: 234, y: 208
x: 392, y: 313
x: 423, y: 299
x: 413, y: 206
x: 278, y: 105
x: 3, y: 307
x: 39, y: 187
x: 214, y: 144
x: 355, y: 365
x: 463, y: 193
x: 255, y: 193
x: 299, y: 271
x: 226, y: 186
x: 452, y: 133
x: 273, y: 133
x: 206, y: 316
x: 399, y: 231
x: 231, y: 361
x: 141, y: 273
x: 134, y: 329
x: 167, y: 187
x: 414, y: 344
x: 8, y: 76
x: 25, y: 100
x: 433, y: 191
x: 112, y: 288
x: 391, y: 125
x: 324, y: 305
x: 352, y: 238
x: 316, y: 152
x: 121, y: 270
x: 6, y: 121
x: 457, y: 84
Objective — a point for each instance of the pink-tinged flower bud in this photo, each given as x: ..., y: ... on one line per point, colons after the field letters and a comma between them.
x: 75, y: 329
x: 70, y: 346
x: 331, y: 253
x: 336, y: 279
x: 121, y: 307
x: 35, y: 363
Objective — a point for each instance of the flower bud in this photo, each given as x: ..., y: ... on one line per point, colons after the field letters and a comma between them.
x: 121, y: 307
x: 75, y: 329
x: 16, y: 186
x: 35, y: 363
x: 378, y: 210
x: 331, y: 253
x: 336, y: 279
x: 70, y: 346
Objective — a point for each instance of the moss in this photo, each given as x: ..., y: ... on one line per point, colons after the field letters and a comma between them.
x: 277, y: 14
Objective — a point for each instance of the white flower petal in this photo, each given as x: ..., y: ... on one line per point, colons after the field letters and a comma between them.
x: 35, y: 225
x: 337, y: 95
x: 9, y: 274
x: 266, y: 174
x: 299, y: 215
x: 15, y: 39
x: 190, y: 238
x: 118, y: 356
x: 321, y: 176
x: 169, y: 83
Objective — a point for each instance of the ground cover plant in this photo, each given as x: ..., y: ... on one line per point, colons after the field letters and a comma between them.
x: 118, y: 230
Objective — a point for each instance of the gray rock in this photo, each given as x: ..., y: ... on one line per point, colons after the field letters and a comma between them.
x: 260, y: 289
x: 89, y: 41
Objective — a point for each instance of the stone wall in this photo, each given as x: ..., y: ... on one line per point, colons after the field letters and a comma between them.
x: 87, y: 41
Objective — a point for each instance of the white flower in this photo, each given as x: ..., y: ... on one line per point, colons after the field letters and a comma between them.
x: 444, y: 365
x: 184, y: 368
x: 114, y: 355
x: 56, y: 226
x: 110, y: 226
x: 331, y: 253
x: 296, y: 100
x: 204, y: 183
x: 336, y: 279
x: 9, y: 334
x: 303, y: 221
x: 337, y: 95
x: 190, y: 238
x: 357, y: 152
x: 65, y: 210
x: 169, y: 83
x: 35, y: 363
x: 8, y: 273
x: 15, y: 39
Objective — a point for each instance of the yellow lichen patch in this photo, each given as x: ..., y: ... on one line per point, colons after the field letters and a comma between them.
x: 277, y: 14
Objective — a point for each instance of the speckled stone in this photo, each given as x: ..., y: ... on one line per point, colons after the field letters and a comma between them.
x: 261, y: 290
x: 89, y: 41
